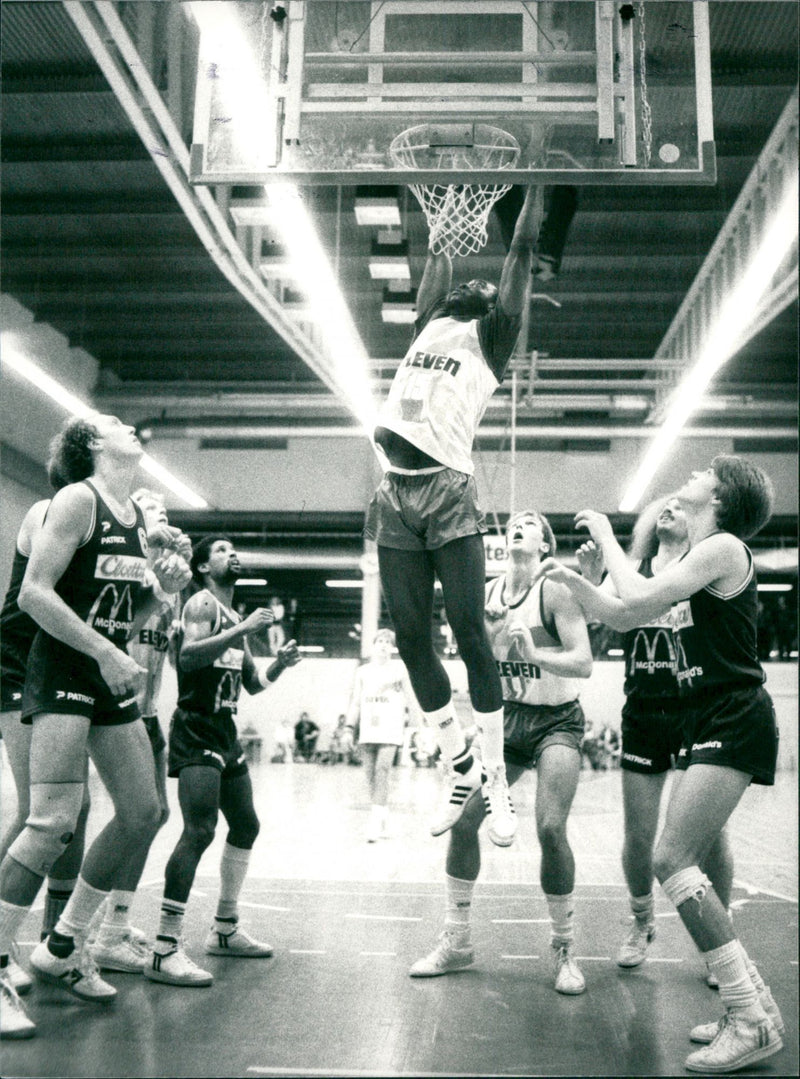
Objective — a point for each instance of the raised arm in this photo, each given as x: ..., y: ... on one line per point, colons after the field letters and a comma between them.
x: 199, y: 648
x: 436, y: 281
x: 598, y: 602
x: 575, y: 659
x: 515, y: 281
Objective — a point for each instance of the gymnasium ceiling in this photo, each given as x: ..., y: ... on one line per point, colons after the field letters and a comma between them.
x: 95, y: 244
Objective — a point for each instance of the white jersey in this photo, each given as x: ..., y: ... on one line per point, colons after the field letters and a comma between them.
x: 149, y: 649
x: 440, y: 392
x: 382, y: 703
x: 521, y: 680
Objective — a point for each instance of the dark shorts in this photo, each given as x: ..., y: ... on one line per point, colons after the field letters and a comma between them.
x: 211, y: 741
x: 733, y: 728
x: 10, y: 694
x: 528, y: 729
x: 652, y: 734
x: 423, y: 512
x: 64, y: 681
x: 155, y: 734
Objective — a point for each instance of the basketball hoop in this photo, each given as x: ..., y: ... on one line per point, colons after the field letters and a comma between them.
x: 457, y: 214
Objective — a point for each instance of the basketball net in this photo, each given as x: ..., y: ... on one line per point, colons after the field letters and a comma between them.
x: 457, y: 214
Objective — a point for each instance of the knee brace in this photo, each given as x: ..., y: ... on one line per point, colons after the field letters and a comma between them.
x: 689, y: 883
x: 50, y: 825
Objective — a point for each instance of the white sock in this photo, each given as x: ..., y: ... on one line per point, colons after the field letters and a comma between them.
x: 76, y: 916
x: 170, y: 924
x: 752, y: 971
x: 11, y: 919
x: 232, y: 871
x: 449, y: 734
x: 118, y: 910
x: 458, y: 907
x: 728, y: 965
x: 490, y: 725
x: 561, y: 908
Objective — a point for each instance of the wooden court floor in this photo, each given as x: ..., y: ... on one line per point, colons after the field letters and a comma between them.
x: 347, y: 919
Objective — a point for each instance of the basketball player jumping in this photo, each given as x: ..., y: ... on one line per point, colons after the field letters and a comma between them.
x: 424, y: 515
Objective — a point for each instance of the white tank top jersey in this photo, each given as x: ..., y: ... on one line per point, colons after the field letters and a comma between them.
x: 440, y: 392
x: 523, y: 681
x: 383, y: 703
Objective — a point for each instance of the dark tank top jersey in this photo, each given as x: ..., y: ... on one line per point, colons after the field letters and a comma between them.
x: 214, y: 690
x: 17, y: 629
x: 716, y: 638
x: 650, y: 658
x: 106, y: 577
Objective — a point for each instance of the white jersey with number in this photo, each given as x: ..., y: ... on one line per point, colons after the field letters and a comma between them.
x: 382, y: 703
x: 440, y: 392
x: 521, y: 680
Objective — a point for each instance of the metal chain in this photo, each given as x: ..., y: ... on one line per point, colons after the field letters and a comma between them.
x: 647, y: 116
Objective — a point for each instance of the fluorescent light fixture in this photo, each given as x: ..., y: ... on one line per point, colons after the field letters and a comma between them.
x: 312, y: 271
x: 345, y: 584
x: 306, y: 649
x: 615, y: 652
x: 16, y: 359
x: 377, y: 210
x: 767, y: 586
x: 250, y: 582
x: 388, y: 261
x: 399, y: 307
x: 722, y: 339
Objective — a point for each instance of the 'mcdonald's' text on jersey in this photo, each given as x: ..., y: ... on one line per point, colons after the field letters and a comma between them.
x: 214, y: 690
x: 651, y: 662
x: 107, y: 574
x: 715, y: 637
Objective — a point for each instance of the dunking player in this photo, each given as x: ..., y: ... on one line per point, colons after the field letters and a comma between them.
x: 541, y: 647
x: 730, y: 737
x: 214, y: 662
x: 18, y: 631
x: 652, y: 722
x: 424, y: 515
x: 86, y: 584
x: 381, y: 695
x: 118, y: 945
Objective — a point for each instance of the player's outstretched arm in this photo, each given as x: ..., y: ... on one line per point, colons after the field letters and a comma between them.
x: 515, y: 281
x: 436, y: 281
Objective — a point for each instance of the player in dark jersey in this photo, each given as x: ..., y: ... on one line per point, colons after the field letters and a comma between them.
x: 118, y: 945
x: 86, y: 586
x: 652, y: 723
x: 731, y: 735
x: 17, y: 631
x: 214, y: 662
x: 424, y: 516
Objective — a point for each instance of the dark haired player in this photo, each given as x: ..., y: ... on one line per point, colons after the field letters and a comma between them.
x: 730, y: 738
x: 424, y: 515
x: 214, y: 663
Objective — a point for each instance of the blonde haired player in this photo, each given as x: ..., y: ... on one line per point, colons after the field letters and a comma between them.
x: 381, y: 697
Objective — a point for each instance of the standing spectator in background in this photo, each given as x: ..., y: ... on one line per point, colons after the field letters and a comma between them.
x: 381, y: 696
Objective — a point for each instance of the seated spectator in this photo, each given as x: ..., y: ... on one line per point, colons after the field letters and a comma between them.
x: 343, y: 746
x: 306, y: 733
